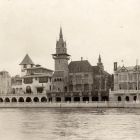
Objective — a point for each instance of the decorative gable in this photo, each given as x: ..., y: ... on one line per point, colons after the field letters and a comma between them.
x: 123, y: 69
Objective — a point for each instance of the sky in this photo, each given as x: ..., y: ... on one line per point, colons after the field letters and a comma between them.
x: 110, y: 28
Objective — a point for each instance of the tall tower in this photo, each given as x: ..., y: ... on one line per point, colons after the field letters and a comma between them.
x: 100, y: 64
x: 60, y: 77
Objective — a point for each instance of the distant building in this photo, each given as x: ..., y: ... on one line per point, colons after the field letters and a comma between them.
x: 126, y: 83
x: 79, y: 76
x: 5, y: 82
x: 16, y: 83
x: 34, y: 78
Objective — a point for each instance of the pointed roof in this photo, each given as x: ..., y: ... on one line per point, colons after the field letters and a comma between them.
x: 99, y: 59
x: 27, y: 61
x: 60, y: 34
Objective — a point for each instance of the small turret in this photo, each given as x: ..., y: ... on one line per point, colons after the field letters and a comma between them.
x: 100, y: 64
x: 26, y: 63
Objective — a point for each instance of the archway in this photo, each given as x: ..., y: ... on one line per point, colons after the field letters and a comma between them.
x: 28, y: 99
x: 1, y: 100
x: 36, y: 99
x: 43, y: 99
x: 67, y: 99
x: 28, y: 90
x: 76, y: 99
x: 119, y: 98
x: 7, y: 99
x: 95, y: 98
x: 14, y: 99
x: 58, y: 99
x: 21, y: 99
x: 85, y: 99
x: 104, y: 98
x: 127, y: 98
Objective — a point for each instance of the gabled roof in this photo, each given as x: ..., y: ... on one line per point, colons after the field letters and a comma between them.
x: 80, y: 66
x: 27, y: 61
x: 123, y: 68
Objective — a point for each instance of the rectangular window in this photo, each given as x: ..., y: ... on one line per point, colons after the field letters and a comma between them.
x: 43, y: 79
x: 28, y: 80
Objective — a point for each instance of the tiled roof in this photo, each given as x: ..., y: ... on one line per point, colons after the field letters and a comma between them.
x: 39, y: 68
x: 27, y: 60
x: 80, y: 66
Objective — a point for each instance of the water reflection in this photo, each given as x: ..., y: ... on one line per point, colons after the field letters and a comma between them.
x: 69, y: 124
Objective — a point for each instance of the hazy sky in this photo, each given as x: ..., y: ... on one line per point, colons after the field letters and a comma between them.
x: 90, y: 27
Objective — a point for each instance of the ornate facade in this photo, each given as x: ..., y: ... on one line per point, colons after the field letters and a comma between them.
x: 126, y: 83
x: 34, y: 78
x: 79, y: 77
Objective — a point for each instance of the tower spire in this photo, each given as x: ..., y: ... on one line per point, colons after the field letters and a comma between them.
x: 61, y: 34
x: 99, y: 59
x: 100, y: 64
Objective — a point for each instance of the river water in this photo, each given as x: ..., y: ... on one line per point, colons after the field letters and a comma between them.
x: 69, y: 124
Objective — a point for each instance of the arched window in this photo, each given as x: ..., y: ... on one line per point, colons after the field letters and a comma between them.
x: 135, y: 98
x: 127, y: 98
x: 119, y: 98
x: 28, y: 90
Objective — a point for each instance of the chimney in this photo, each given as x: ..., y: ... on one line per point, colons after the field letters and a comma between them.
x: 115, y: 66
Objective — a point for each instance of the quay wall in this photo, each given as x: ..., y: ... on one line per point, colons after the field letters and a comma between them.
x: 72, y: 105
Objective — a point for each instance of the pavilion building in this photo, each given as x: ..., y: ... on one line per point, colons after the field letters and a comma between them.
x: 126, y: 83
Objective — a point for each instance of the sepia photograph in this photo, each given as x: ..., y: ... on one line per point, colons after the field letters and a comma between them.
x: 69, y: 70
